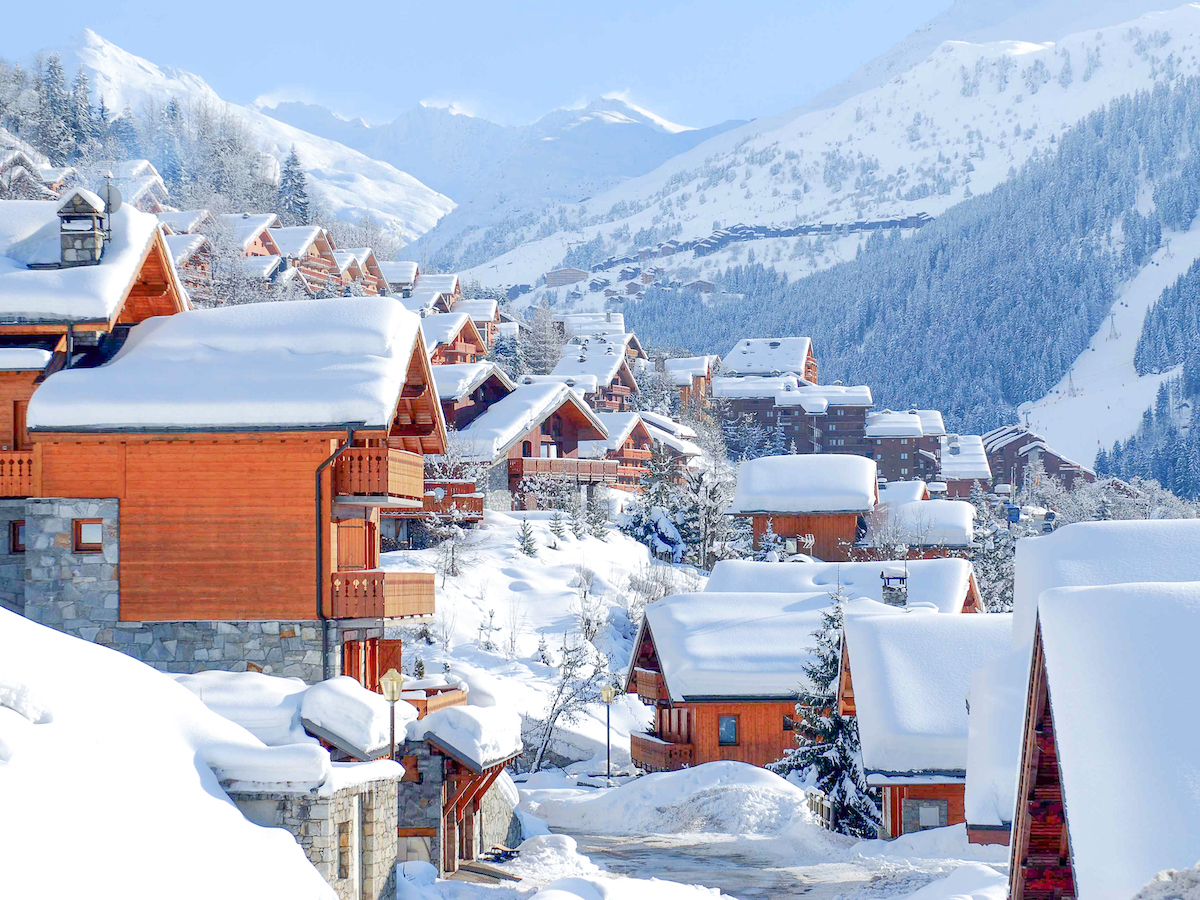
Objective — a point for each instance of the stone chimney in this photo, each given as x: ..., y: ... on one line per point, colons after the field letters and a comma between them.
x: 895, y: 585
x: 81, y: 228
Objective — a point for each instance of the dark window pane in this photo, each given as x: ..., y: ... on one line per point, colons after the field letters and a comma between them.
x: 727, y: 729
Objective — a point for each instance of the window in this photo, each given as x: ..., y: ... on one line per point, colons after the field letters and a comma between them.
x: 16, y: 536
x: 789, y: 724
x: 841, y: 412
x: 929, y: 816
x: 89, y: 535
x: 904, y: 471
x: 343, y: 850
x: 904, y: 456
x: 526, y: 448
x: 904, y: 440
x: 833, y: 427
x: 727, y: 728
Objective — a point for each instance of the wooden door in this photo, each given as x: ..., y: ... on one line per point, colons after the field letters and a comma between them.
x: 20, y: 435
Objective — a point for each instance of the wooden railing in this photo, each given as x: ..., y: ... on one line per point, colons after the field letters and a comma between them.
x: 377, y: 594
x: 449, y: 499
x: 657, y: 755
x: 589, y: 470
x: 430, y: 700
x: 16, y: 474
x: 379, y: 472
x: 634, y: 453
x: 650, y: 685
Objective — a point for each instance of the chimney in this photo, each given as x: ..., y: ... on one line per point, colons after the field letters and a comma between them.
x: 81, y: 229
x: 895, y: 585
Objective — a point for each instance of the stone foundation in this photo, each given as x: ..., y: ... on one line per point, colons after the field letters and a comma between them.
x: 12, y: 565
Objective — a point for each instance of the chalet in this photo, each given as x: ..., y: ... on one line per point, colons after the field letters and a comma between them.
x: 452, y: 338
x: 138, y: 181
x: 608, y: 362
x: 447, y: 287
x: 319, y: 410
x: 827, y: 418
x: 534, y: 431
x: 187, y: 221
x: 633, y: 287
x: 564, y: 276
x: 585, y: 386
x: 20, y: 176
x: 587, y: 324
x: 675, y: 438
x: 820, y: 502
x: 253, y: 233
x: 485, y: 313
x: 310, y: 249
x: 1011, y: 448
x: 348, y: 271
x: 704, y: 287
x: 627, y: 341
x: 911, y: 678
x: 400, y: 276
x: 905, y: 444
x: 466, y: 390
x: 1102, y: 655
x: 629, y: 443
x: 692, y: 376
x: 723, y: 669
x: 429, y: 300
x: 772, y: 356
x: 373, y: 281
x: 907, y: 521
x: 192, y: 255
x: 964, y: 462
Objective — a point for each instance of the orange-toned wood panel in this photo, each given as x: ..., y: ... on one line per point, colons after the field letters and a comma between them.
x: 761, y: 738
x: 953, y: 794
x: 83, y: 470
x: 15, y: 388
x: 834, y: 533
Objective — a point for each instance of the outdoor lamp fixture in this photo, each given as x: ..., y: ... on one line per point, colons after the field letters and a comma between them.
x: 391, y: 684
x: 608, y: 694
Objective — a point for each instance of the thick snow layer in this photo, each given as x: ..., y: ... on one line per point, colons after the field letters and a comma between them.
x: 583, y: 324
x: 287, y: 767
x: 267, y: 706
x: 443, y: 284
x: 245, y: 227
x: 603, y: 362
x: 680, y: 445
x: 454, y: 382
x: 684, y: 368
x: 259, y: 268
x: 931, y: 421
x: 1122, y: 670
x: 902, y: 491
x: 302, y: 364
x: 949, y: 842
x: 480, y: 736
x: 398, y: 271
x: 582, y: 385
x: 997, y: 717
x: 768, y: 356
x: 941, y: 584
x: 964, y: 459
x: 923, y: 523
x: 912, y: 674
x: 970, y: 881
x: 816, y: 483
x: 115, y: 769
x: 182, y: 221
x: 183, y: 247
x: 29, y: 234
x: 887, y: 423
x: 481, y: 309
x: 441, y: 328
x: 491, y: 434
x: 23, y: 359
x: 294, y: 240
x: 345, y: 708
x: 619, y: 426
x: 667, y: 424
x: 815, y: 399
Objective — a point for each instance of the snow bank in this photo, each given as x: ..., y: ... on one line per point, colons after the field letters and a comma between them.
x: 344, y: 707
x: 1173, y: 884
x: 118, y: 775
x: 480, y: 736
x: 549, y: 856
x: 301, y: 364
x: 23, y: 359
x: 994, y: 726
x: 291, y: 767
x: 968, y: 882
x: 936, y: 843
x: 267, y: 706
x: 818, y: 483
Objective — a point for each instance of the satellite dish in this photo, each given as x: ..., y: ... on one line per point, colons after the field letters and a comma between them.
x: 112, y: 197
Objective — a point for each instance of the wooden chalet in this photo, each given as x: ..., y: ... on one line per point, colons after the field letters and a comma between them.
x: 608, y: 362
x: 485, y: 313
x: 629, y: 443
x: 21, y: 177
x: 373, y: 280
x: 1011, y: 448
x: 251, y: 231
x: 964, y: 463
x: 452, y: 339
x: 310, y: 249
x: 138, y: 181
x: 315, y: 442
x: 675, y: 439
x: 187, y: 221
x: 692, y: 377
x: 467, y: 390
x: 818, y: 504
x: 772, y: 356
x: 193, y: 255
x: 348, y: 270
x: 400, y: 276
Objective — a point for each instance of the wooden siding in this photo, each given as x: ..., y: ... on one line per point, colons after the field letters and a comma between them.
x: 894, y: 796
x: 761, y: 738
x: 15, y: 390
x: 834, y: 532
x: 155, y: 290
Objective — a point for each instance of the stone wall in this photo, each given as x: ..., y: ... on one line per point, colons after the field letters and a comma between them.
x: 12, y: 565
x: 495, y: 489
x: 910, y: 814
x: 73, y: 592
x: 352, y: 827
x: 498, y: 819
x: 420, y: 803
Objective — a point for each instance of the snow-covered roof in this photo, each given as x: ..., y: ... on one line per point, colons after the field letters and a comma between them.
x: 442, y: 284
x: 24, y: 359
x: 931, y: 421
x: 604, y: 363
x: 684, y: 368
x: 475, y: 735
x: 260, y: 268
x: 912, y: 674
x: 968, y: 462
x: 294, y: 240
x: 754, y: 386
x: 998, y: 438
x: 344, y: 260
x: 766, y: 356
x: 812, y: 483
x: 29, y: 235
x: 890, y: 424
x: 816, y: 399
x: 923, y: 523
x: 480, y: 309
x: 667, y: 424
x: 245, y: 227
x: 352, y: 717
x: 902, y: 491
x: 440, y: 329
x: 583, y: 385
x: 939, y: 584
x: 398, y: 272
x: 183, y: 247
x: 183, y: 221
x: 422, y: 299
x: 1122, y: 670
x: 619, y: 426
x: 669, y: 439
x: 588, y: 323
x: 490, y: 435
x: 457, y: 381
x: 994, y: 739
x: 302, y: 364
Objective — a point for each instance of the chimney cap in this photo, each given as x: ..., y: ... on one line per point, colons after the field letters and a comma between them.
x: 81, y: 201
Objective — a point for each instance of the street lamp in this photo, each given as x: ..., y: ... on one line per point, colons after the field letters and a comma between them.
x: 608, y: 694
x: 391, y: 683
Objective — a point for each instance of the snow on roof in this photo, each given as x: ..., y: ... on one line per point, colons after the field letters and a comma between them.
x: 669, y: 425
x: 923, y: 523
x: 817, y: 398
x: 443, y: 284
x: 939, y: 584
x: 259, y: 268
x: 1001, y: 437
x: 29, y: 235
x: 752, y: 386
x: 146, y: 737
x: 456, y: 381
x: 996, y: 718
x: 344, y: 260
x: 301, y: 364
x: 441, y: 328
x: 619, y: 426
x: 423, y: 299
x: 931, y: 421
x: 24, y: 359
x: 481, y: 309
x: 764, y: 356
x: 902, y: 491
x: 398, y: 272
x: 490, y: 435
x: 361, y: 255
x: 603, y: 362
x: 91, y: 198
x: 267, y: 706
x: 966, y: 463
x: 1122, y: 670
x: 245, y: 227
x: 294, y: 240
x: 683, y: 369
x: 668, y: 439
x: 887, y: 423
x: 476, y: 735
x: 815, y: 483
x: 911, y: 679
x: 583, y: 385
x: 183, y: 221
x: 357, y: 717
x: 589, y: 323
x: 183, y: 246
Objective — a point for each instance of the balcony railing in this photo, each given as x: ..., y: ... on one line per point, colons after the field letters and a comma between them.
x: 657, y: 755
x: 448, y: 499
x: 16, y: 474
x: 634, y: 453
x: 377, y: 594
x: 382, y: 475
x: 586, y: 470
x: 650, y: 685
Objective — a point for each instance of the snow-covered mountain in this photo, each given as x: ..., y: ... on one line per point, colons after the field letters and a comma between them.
x: 495, y: 172
x: 350, y: 182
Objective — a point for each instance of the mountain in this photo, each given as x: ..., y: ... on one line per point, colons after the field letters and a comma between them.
x: 350, y: 183
x: 497, y: 172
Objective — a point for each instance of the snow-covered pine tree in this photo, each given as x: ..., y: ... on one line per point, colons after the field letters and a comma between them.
x: 526, y: 540
x: 543, y: 652
x: 54, y: 136
x: 598, y: 514
x: 543, y: 342
x: 578, y: 519
x: 293, y: 191
x: 82, y: 118
x: 509, y: 354
x: 558, y: 526
x: 771, y: 547
x: 419, y: 668
x: 828, y: 743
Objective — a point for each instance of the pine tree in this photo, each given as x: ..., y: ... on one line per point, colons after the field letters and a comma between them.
x: 771, y: 547
x: 543, y: 652
x: 578, y: 520
x: 543, y: 342
x: 82, y: 118
x: 54, y: 132
x: 597, y: 514
x: 509, y: 354
x: 293, y: 191
x: 558, y: 527
x: 419, y: 668
x: 526, y: 540
x: 828, y: 743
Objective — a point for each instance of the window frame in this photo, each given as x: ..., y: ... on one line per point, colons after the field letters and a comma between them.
x: 736, y: 731
x: 78, y: 545
x: 15, y: 544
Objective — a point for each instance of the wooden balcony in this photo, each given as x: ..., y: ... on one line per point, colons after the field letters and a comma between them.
x: 657, y: 755
x: 448, y: 499
x: 379, y: 476
x: 374, y: 594
x: 590, y: 471
x: 16, y: 474
x: 634, y: 453
x: 430, y: 700
x: 650, y: 686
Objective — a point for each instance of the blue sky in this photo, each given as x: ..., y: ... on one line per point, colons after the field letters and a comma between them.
x: 694, y: 63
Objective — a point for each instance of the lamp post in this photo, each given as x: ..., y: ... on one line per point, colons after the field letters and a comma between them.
x: 608, y: 694
x: 391, y: 683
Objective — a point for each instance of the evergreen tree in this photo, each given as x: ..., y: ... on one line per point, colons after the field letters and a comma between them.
x: 526, y: 540
x: 543, y: 342
x: 293, y: 192
x: 578, y: 520
x: 83, y: 120
x: 597, y: 514
x: 509, y: 354
x: 771, y: 547
x: 53, y: 128
x: 558, y: 527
